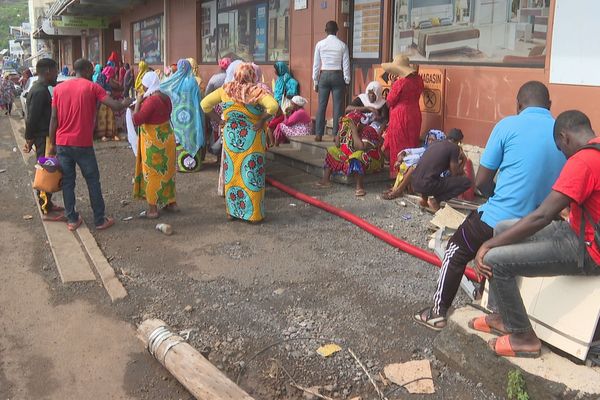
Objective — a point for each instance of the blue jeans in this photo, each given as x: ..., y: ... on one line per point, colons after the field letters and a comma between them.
x: 85, y: 158
x: 330, y: 82
x: 553, y: 251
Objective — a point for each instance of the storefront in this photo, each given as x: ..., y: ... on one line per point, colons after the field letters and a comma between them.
x: 472, y: 54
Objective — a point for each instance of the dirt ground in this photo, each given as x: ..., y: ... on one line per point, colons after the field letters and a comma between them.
x: 262, y: 298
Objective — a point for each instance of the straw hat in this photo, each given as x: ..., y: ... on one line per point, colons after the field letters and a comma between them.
x: 400, y: 66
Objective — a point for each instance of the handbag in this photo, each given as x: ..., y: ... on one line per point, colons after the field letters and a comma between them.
x: 48, y: 176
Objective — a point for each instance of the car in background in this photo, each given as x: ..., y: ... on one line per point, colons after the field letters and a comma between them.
x: 28, y: 86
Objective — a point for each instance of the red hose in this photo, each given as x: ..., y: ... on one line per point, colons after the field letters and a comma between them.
x: 372, y: 229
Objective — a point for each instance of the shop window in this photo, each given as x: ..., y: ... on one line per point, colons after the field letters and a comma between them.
x: 479, y: 32
x: 248, y: 29
x: 94, y: 49
x: 148, y: 40
x: 366, y: 29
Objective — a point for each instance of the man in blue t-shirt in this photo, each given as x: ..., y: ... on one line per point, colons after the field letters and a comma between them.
x: 522, y: 152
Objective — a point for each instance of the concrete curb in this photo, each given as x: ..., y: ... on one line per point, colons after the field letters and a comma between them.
x: 468, y: 352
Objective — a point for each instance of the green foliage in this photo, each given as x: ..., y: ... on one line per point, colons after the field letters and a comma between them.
x: 516, y: 388
x: 12, y: 13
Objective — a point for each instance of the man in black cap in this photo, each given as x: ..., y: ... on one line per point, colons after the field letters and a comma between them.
x: 429, y: 178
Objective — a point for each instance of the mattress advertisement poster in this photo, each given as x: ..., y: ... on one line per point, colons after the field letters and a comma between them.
x: 488, y: 32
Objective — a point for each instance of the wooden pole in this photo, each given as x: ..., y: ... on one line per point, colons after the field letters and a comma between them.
x: 202, y: 379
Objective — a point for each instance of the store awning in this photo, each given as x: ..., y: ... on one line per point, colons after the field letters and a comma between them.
x: 97, y: 8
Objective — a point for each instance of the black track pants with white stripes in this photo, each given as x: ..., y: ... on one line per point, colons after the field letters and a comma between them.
x: 462, y: 248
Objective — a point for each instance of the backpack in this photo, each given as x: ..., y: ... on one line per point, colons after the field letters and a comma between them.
x: 585, y: 215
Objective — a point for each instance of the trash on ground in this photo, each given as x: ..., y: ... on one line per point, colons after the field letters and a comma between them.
x: 403, y: 203
x: 279, y: 291
x: 406, y: 217
x: 415, y: 376
x: 124, y: 203
x: 165, y: 228
x: 293, y: 204
x: 328, y: 349
x: 2, y: 171
x: 27, y: 217
x: 14, y: 149
x: 448, y: 217
x: 127, y: 219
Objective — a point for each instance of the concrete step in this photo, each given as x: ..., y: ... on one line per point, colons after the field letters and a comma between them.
x: 309, y: 156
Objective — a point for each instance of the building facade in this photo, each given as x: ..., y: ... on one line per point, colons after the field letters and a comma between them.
x: 472, y: 54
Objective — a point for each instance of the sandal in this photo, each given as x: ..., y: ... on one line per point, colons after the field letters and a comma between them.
x: 502, y: 347
x: 172, y: 208
x: 54, y: 217
x: 390, y: 195
x: 322, y: 185
x: 481, y: 325
x: 72, y: 226
x: 108, y: 222
x: 430, y: 321
x: 360, y: 193
x: 145, y: 214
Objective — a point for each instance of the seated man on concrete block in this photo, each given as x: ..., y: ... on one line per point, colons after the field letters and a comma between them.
x: 429, y: 179
x: 538, y: 246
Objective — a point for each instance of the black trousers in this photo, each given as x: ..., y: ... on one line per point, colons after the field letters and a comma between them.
x: 44, y: 199
x: 442, y: 189
x: 462, y: 248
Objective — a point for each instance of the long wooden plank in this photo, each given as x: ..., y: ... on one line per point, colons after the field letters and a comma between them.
x: 202, y: 379
x: 111, y: 283
x: 69, y: 256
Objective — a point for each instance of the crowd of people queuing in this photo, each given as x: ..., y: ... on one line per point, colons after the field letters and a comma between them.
x: 240, y: 116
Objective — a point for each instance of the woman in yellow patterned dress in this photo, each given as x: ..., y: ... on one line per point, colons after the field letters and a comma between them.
x: 156, y: 157
x: 246, y: 108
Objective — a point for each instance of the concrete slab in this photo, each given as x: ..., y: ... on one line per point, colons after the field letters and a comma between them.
x: 548, y: 377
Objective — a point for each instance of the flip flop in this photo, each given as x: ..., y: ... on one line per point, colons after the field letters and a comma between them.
x: 480, y: 324
x: 146, y: 215
x: 360, y: 193
x: 429, y: 321
x: 502, y: 347
x: 54, y: 217
x: 171, y: 209
x: 73, y: 226
x: 390, y: 196
x: 322, y: 185
x: 108, y: 222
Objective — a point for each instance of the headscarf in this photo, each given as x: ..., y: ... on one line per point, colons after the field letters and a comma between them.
x: 114, y: 57
x: 186, y: 118
x: 152, y: 82
x: 224, y: 63
x: 109, y: 71
x: 437, y: 135
x: 283, y: 76
x: 244, y: 88
x: 143, y: 68
x: 230, y: 73
x: 299, y: 101
x: 97, y: 72
x: 195, y: 71
x: 378, y: 90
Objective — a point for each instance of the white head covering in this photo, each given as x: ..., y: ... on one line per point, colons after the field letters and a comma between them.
x: 230, y: 72
x: 378, y: 90
x: 299, y: 101
x: 152, y: 82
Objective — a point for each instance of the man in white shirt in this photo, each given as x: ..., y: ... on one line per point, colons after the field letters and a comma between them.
x: 331, y: 74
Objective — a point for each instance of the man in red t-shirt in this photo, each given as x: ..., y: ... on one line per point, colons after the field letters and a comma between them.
x: 539, y: 246
x: 74, y: 106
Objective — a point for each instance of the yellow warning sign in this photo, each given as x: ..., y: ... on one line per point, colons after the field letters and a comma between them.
x: 432, y: 97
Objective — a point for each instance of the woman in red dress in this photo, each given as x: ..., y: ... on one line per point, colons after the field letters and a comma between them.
x: 404, y: 128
